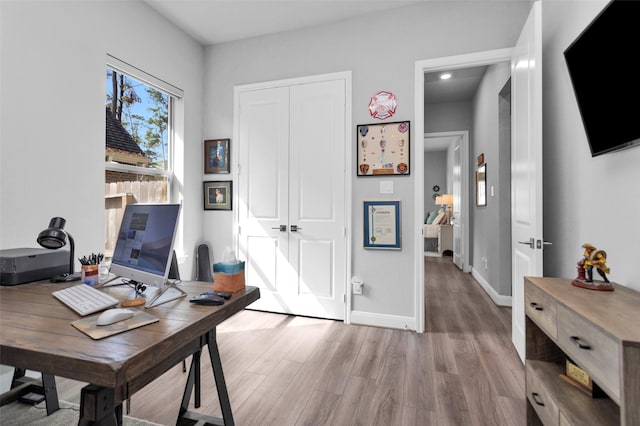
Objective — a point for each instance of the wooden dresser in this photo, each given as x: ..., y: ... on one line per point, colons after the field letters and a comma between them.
x: 600, y: 332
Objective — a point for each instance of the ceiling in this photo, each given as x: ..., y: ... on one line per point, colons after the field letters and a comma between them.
x: 219, y: 21
x: 461, y: 87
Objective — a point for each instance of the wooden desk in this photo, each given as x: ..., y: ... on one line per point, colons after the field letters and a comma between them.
x: 36, y: 334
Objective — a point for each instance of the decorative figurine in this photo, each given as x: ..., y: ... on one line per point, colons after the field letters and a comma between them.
x: 593, y: 259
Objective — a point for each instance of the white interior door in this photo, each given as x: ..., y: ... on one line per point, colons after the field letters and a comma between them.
x: 292, y: 215
x: 263, y: 193
x: 317, y: 250
x: 526, y: 167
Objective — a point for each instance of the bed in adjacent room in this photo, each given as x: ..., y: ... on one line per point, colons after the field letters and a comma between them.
x: 431, y: 231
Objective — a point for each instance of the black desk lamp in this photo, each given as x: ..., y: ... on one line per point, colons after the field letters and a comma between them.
x: 55, y: 237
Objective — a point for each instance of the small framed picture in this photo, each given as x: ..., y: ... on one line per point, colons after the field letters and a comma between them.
x: 216, y: 156
x: 217, y: 195
x: 382, y: 225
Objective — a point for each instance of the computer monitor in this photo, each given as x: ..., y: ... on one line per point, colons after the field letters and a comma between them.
x: 144, y: 248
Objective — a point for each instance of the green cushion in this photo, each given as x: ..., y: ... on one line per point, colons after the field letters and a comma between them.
x: 432, y: 216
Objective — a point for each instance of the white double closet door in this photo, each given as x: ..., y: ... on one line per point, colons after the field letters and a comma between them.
x: 291, y: 152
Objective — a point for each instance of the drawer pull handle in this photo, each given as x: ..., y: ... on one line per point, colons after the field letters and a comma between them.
x: 535, y: 306
x: 536, y: 399
x: 576, y: 341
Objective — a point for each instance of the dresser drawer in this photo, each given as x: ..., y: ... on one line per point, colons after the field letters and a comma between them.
x: 540, y: 400
x: 593, y: 350
x: 541, y: 308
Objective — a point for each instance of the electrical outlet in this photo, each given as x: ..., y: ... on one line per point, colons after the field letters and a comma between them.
x: 356, y: 285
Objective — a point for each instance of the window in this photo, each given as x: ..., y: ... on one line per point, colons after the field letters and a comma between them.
x: 138, y: 142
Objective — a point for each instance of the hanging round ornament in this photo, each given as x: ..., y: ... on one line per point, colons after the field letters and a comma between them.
x: 383, y: 105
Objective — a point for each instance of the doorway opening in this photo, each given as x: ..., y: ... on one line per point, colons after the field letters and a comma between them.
x: 444, y: 173
x: 431, y: 68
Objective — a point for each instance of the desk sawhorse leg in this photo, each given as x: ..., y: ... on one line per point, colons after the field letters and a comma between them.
x: 189, y: 418
x: 97, y: 407
x: 21, y: 385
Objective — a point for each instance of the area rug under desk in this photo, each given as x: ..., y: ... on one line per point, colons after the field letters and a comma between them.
x: 19, y: 414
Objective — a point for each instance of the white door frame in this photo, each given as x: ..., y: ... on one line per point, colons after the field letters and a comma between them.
x: 348, y: 156
x: 463, y: 135
x: 421, y: 67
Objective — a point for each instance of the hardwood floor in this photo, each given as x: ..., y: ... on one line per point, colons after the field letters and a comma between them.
x: 287, y: 370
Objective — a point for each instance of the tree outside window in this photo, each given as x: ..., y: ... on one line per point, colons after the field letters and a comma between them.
x: 137, y: 147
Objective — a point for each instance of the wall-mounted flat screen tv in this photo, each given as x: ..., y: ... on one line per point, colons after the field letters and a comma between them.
x: 602, y: 64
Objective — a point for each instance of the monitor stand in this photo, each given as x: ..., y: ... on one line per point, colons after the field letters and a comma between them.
x: 167, y: 293
x: 111, y: 280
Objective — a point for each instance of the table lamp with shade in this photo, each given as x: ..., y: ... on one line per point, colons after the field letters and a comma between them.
x: 446, y: 201
x: 55, y: 237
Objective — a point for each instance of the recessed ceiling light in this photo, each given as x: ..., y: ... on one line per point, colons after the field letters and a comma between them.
x: 445, y: 76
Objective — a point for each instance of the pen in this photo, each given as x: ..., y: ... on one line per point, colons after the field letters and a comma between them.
x: 93, y: 259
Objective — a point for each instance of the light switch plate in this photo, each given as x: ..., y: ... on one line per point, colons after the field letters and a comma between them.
x: 386, y: 187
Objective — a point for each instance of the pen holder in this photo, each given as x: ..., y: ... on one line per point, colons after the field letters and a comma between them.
x: 89, y: 274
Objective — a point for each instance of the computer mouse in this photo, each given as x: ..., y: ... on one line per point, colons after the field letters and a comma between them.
x: 207, y: 299
x: 114, y: 315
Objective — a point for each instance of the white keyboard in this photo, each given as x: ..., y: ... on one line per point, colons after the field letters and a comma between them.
x: 85, y: 299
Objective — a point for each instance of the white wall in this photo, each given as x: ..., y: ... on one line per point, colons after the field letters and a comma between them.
x: 486, y: 227
x: 52, y: 133
x: 435, y: 173
x: 448, y: 117
x: 381, y: 57
x: 595, y: 200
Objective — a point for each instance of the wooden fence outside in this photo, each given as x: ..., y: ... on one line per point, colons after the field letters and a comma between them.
x: 143, y: 191
x: 118, y: 195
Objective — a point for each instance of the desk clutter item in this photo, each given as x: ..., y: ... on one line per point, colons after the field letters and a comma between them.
x: 228, y: 277
x: 90, y: 273
x: 208, y: 298
x: 89, y: 327
x: 138, y: 301
x: 24, y: 265
x: 84, y: 299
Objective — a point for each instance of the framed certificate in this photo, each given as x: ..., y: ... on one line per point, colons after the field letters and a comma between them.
x: 382, y: 225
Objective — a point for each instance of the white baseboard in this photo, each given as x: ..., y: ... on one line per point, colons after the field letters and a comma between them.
x: 497, y: 298
x: 383, y: 320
